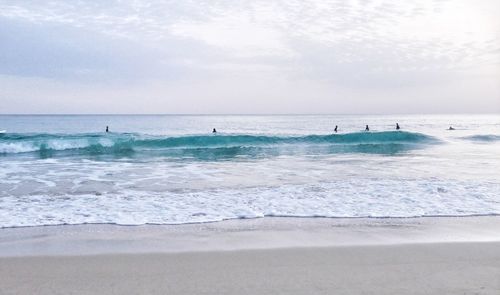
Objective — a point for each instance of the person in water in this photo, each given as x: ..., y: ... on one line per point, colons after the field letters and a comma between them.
x: 214, y: 131
x: 451, y: 128
x: 367, y: 128
x: 397, y: 126
x: 336, y: 128
x: 107, y: 128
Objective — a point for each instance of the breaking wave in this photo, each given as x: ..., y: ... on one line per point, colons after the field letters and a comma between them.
x: 208, y: 146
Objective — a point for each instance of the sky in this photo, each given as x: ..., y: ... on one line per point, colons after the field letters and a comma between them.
x: 250, y: 57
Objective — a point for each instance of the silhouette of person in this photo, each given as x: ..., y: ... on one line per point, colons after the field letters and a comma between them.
x: 397, y: 126
x: 367, y: 128
x: 214, y: 131
x: 107, y: 128
x: 336, y: 127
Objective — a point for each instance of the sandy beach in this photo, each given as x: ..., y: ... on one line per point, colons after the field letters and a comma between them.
x: 460, y: 268
x: 260, y: 256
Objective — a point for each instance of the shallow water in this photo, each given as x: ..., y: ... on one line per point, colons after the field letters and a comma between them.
x: 172, y: 169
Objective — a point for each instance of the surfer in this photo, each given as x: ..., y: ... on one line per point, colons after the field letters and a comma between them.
x: 107, y: 128
x: 367, y: 128
x: 214, y: 131
x: 397, y: 126
x: 336, y: 127
x: 451, y: 128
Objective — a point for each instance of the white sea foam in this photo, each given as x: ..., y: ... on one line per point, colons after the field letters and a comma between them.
x: 60, y: 145
x: 373, y: 198
x: 173, y: 193
x: 33, y: 146
x: 18, y: 147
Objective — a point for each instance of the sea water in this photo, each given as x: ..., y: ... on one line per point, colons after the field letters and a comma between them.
x: 170, y: 169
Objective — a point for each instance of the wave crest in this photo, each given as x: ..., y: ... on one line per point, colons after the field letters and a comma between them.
x: 209, y: 146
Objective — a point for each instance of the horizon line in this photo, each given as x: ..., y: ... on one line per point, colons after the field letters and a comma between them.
x: 242, y: 114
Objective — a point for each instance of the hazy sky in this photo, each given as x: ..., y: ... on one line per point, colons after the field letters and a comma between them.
x: 305, y: 56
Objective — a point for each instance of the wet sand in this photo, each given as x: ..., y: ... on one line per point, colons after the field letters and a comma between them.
x: 264, y: 256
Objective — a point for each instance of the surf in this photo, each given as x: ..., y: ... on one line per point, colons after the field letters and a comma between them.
x: 208, y: 146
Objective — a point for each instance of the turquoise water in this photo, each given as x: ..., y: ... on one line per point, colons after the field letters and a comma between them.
x: 203, y: 147
x: 172, y: 169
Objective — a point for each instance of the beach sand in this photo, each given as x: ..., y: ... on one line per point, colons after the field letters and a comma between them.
x: 261, y: 256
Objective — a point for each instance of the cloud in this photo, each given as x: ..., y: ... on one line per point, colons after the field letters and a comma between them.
x: 237, y: 36
x: 360, y: 48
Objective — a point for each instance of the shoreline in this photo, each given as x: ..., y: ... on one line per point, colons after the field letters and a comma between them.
x: 252, y: 218
x: 244, y: 234
x: 257, y: 256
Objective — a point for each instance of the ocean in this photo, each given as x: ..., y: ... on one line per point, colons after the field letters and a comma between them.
x: 171, y: 169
